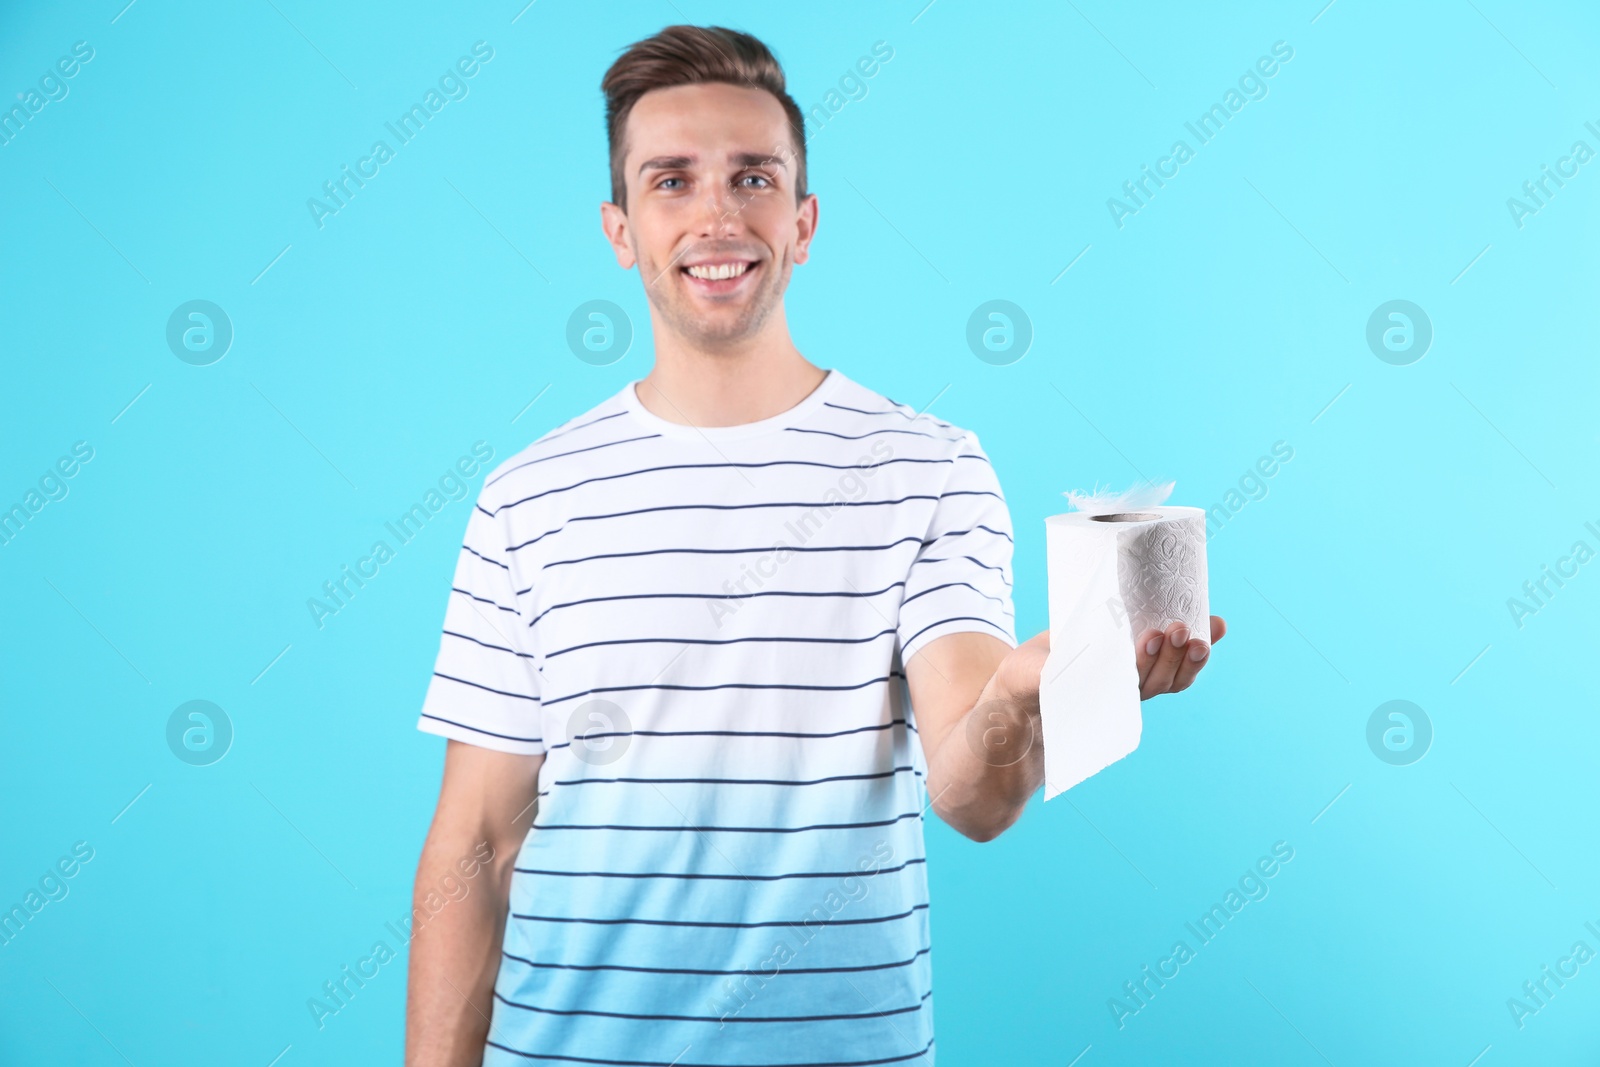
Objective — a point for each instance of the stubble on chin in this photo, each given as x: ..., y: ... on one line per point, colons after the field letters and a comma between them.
x: 675, y: 306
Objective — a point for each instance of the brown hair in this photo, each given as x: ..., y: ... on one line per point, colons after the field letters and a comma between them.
x: 692, y: 55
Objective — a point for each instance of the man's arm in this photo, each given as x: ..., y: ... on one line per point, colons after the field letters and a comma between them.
x: 977, y: 710
x: 486, y: 797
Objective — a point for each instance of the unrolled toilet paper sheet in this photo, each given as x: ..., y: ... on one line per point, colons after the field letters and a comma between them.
x: 1112, y: 576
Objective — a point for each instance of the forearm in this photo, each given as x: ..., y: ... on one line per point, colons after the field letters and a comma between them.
x: 989, y: 763
x: 455, y: 954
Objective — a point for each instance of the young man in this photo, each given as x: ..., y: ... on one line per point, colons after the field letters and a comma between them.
x: 720, y: 641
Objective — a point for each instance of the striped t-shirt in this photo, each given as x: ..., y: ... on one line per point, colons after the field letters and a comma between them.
x: 705, y: 632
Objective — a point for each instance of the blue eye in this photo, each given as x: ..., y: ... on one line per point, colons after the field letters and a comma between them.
x: 664, y: 181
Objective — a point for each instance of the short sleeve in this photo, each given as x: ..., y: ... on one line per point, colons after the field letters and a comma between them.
x: 485, y: 684
x: 960, y: 580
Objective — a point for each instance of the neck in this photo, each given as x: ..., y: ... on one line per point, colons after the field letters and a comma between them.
x: 746, y: 381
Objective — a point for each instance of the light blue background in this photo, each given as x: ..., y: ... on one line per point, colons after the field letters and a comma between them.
x: 1223, y: 317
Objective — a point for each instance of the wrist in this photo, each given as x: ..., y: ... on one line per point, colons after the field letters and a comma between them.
x: 1022, y: 698
x: 1018, y: 676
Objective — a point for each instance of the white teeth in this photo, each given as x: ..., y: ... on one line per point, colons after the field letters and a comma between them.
x: 720, y: 271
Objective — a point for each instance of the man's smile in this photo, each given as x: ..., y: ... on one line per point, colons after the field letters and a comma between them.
x: 716, y: 277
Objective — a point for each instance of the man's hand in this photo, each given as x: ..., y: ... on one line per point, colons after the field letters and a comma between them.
x: 1168, y: 661
x: 977, y: 712
x: 1021, y: 671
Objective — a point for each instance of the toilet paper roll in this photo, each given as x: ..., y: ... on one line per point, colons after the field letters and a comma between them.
x: 1113, y: 575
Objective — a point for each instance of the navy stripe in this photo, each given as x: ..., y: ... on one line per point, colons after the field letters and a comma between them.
x: 830, y: 504
x: 724, y: 877
x: 941, y: 622
x: 980, y: 526
x: 486, y: 559
x: 891, y: 724
x: 696, y: 970
x: 536, y: 540
x: 723, y: 926
x: 922, y: 414
x: 708, y: 641
x: 730, y: 551
x: 497, y: 648
x: 709, y: 688
x: 708, y: 466
x: 891, y: 411
x: 488, y: 733
x: 970, y: 559
x: 947, y: 585
x: 475, y: 685
x: 874, y: 433
x: 734, y: 781
x: 706, y: 596
x: 680, y: 1063
x: 728, y: 1018
x: 474, y: 596
x: 574, y: 452
x: 553, y: 434
x: 548, y: 827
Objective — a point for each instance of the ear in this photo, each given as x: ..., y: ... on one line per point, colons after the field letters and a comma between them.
x: 614, y: 224
x: 805, y: 227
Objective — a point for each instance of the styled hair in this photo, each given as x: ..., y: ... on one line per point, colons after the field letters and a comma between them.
x: 693, y: 55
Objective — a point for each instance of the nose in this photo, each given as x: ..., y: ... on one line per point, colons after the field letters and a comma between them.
x: 719, y: 212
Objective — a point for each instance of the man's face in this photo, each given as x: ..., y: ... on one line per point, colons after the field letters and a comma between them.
x: 712, y: 220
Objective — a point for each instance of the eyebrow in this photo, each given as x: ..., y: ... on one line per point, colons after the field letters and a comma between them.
x: 740, y: 159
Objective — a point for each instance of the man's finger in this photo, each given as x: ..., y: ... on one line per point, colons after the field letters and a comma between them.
x: 1191, y: 666
x: 1165, y: 668
x: 1145, y: 650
